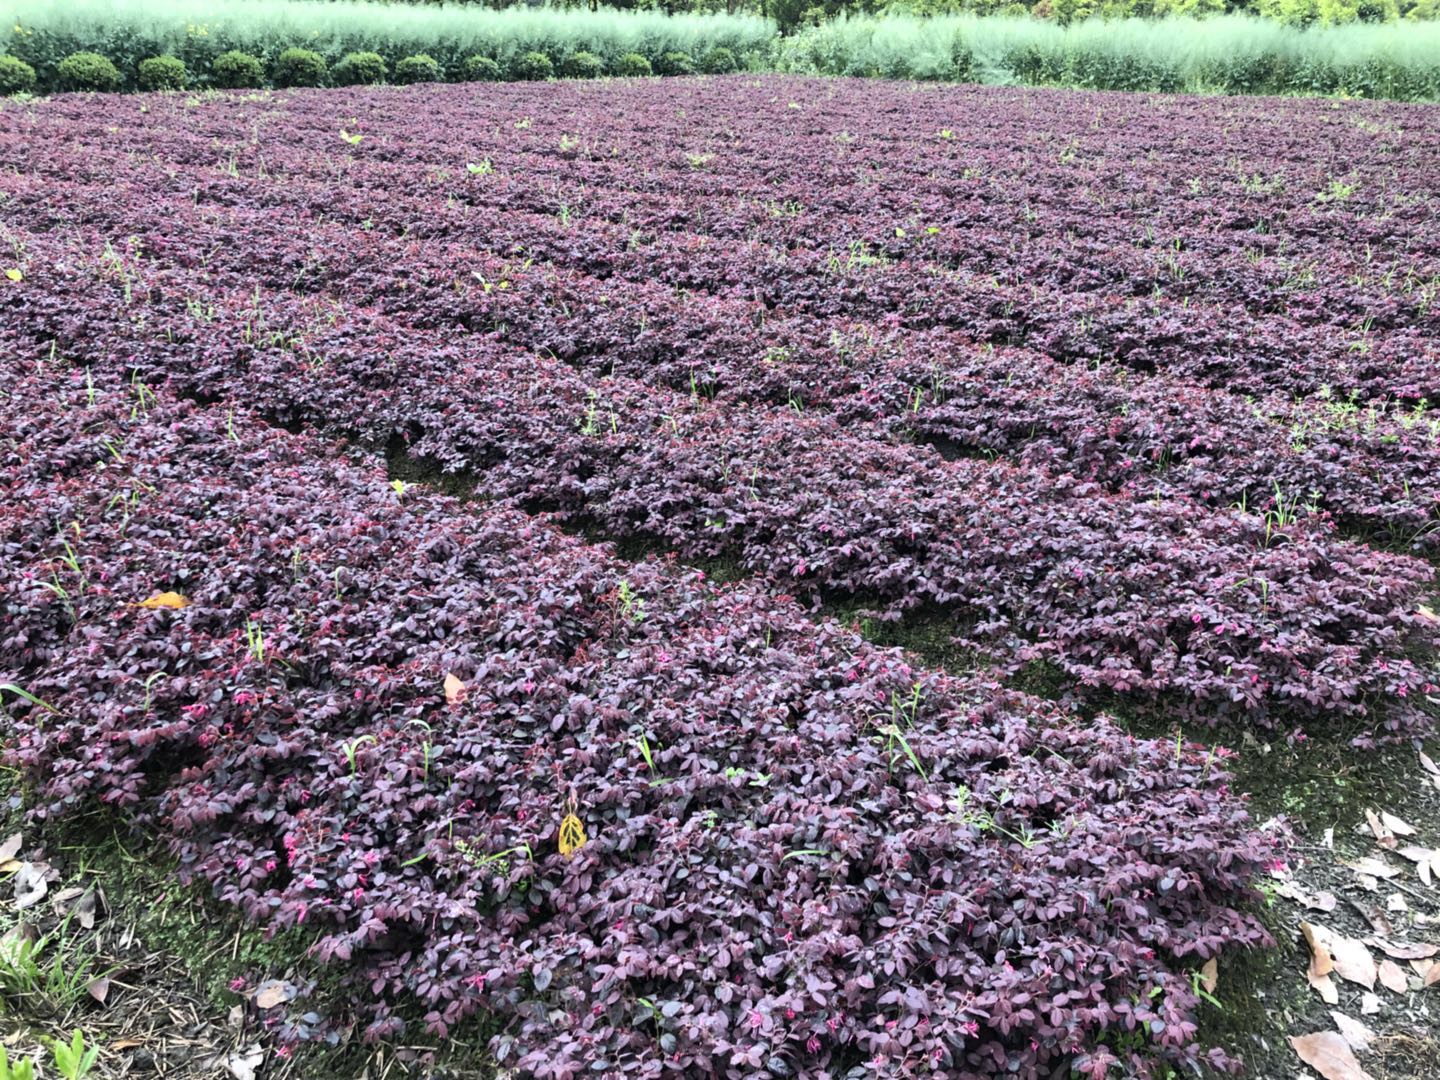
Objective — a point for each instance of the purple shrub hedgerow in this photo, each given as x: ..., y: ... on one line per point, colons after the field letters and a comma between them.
x: 805, y: 856
x: 1215, y: 614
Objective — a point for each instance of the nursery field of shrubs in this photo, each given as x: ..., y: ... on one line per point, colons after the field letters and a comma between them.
x: 462, y: 526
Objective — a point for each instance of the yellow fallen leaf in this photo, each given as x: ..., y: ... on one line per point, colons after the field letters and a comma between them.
x: 14, y: 275
x: 572, y: 835
x: 454, y: 690
x: 1426, y: 612
x: 172, y: 600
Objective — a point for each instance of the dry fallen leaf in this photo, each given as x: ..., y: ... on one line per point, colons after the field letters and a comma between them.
x: 84, y: 910
x: 99, y: 989
x: 1318, y: 938
x: 1210, y: 975
x: 1421, y: 967
x: 1392, y: 978
x: 275, y: 992
x: 1428, y: 765
x: 171, y: 600
x: 126, y: 1044
x: 1325, y: 987
x: 1395, y: 825
x: 1330, y: 1055
x: 1319, y: 901
x: 1369, y: 1004
x: 30, y: 886
x: 243, y: 1061
x: 10, y: 848
x: 1354, y: 1032
x: 1395, y: 902
x: 1372, y: 868
x: 454, y: 690
x: 1402, y: 950
x: 1353, y: 961
x: 1432, y: 976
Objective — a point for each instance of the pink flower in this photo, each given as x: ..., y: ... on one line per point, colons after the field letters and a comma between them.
x: 270, y: 865
x: 237, y: 984
x: 812, y: 1044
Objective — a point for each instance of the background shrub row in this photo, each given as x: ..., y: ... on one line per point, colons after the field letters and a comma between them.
x: 298, y: 43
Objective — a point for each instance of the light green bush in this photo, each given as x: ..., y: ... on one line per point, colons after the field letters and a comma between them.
x: 300, y: 67
x: 237, y: 71
x: 419, y: 68
x: 532, y: 67
x: 16, y: 76
x: 633, y: 65
x: 88, y: 71
x: 162, y: 73
x: 482, y: 69
x: 582, y: 65
x: 359, y: 69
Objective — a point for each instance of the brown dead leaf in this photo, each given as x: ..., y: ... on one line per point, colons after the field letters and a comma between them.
x: 1432, y: 976
x: 275, y: 992
x: 1369, y: 1004
x: 454, y: 690
x: 1325, y: 987
x: 11, y: 847
x: 126, y: 1044
x: 1318, y: 901
x: 1210, y: 975
x: 1426, y: 612
x: 1353, y: 961
x: 1402, y: 950
x: 1353, y: 1031
x: 1428, y: 765
x: 1318, y: 938
x: 1374, y: 916
x: 170, y: 600
x: 99, y: 989
x: 84, y: 909
x: 1372, y: 868
x: 1392, y: 978
x: 1373, y: 820
x: 1330, y: 1055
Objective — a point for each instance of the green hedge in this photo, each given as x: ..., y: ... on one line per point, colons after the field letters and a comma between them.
x: 1225, y: 54
x: 239, y: 43
x: 199, y: 32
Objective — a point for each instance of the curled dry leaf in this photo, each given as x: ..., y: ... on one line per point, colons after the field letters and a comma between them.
x: 454, y: 690
x: 99, y: 989
x: 11, y: 847
x: 1330, y: 1055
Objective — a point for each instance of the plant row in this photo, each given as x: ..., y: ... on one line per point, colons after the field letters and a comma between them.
x: 645, y: 822
x: 1270, y: 619
x: 1361, y: 441
x: 1302, y: 278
